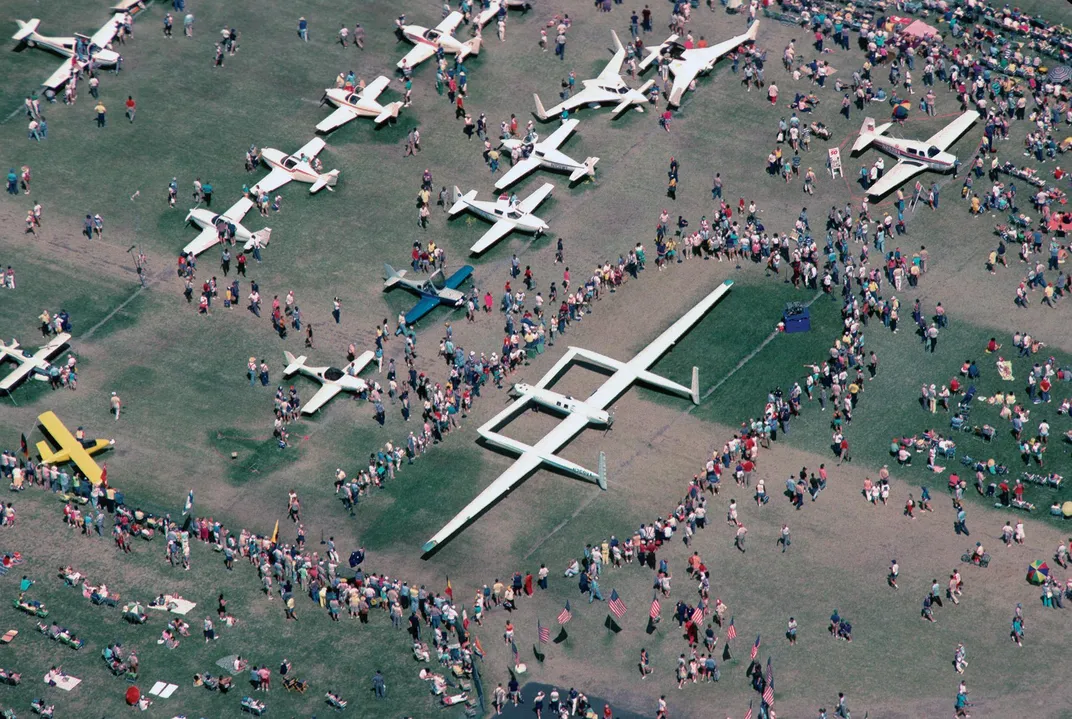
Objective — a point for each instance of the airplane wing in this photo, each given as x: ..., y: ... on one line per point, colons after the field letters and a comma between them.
x: 56, y: 429
x: 271, y: 182
x: 499, y: 230
x: 374, y: 88
x: 559, y: 136
x: 62, y: 74
x: 108, y: 32
x: 530, y: 203
x: 318, y: 400
x: 341, y: 116
x: 951, y: 132
x: 312, y: 148
x: 450, y: 23
x: 894, y: 177
x: 239, y: 209
x: 202, y: 242
x: 15, y: 376
x: 455, y: 281
x: 522, y: 168
x: 426, y: 305
x: 417, y: 55
x: 681, y: 84
x: 613, y: 70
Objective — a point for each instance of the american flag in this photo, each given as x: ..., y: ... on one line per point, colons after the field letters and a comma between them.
x: 768, y: 690
x: 565, y: 615
x: 617, y: 606
x: 731, y: 633
x: 543, y: 633
x: 755, y: 648
x: 698, y: 615
x: 748, y: 714
x: 656, y: 608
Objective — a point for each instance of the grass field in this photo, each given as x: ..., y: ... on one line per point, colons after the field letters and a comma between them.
x: 188, y: 406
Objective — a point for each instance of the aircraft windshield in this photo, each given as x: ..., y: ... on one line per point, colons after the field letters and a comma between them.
x: 932, y: 151
x: 432, y: 35
x: 437, y: 281
x: 333, y: 374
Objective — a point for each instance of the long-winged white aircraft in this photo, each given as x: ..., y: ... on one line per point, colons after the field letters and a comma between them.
x: 362, y: 103
x: 298, y: 166
x: 209, y: 222
x: 914, y: 156
x: 686, y: 64
x: 608, y: 87
x: 545, y: 153
x: 96, y: 46
x: 35, y: 365
x: 332, y: 379
x: 427, y: 41
x: 506, y: 216
x: 579, y: 414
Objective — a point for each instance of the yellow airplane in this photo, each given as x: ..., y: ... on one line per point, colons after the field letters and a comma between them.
x: 70, y: 449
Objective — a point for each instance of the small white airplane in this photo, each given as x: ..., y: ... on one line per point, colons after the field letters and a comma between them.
x: 35, y: 365
x: 208, y: 220
x: 608, y: 87
x: 426, y: 42
x: 96, y: 44
x: 545, y: 153
x: 507, y: 217
x: 579, y: 414
x: 363, y: 103
x: 685, y: 65
x: 298, y: 166
x: 332, y: 379
x: 914, y: 156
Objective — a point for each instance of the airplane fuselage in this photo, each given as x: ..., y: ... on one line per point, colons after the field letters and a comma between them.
x: 564, y: 403
x: 208, y: 219
x: 496, y: 211
x: 65, y: 46
x: 352, y: 100
x: 446, y: 294
x: 298, y: 169
x: 423, y: 36
x: 916, y: 151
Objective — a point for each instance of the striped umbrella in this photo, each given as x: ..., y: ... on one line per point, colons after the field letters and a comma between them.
x: 1059, y: 74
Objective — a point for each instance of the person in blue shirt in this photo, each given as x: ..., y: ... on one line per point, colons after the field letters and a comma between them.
x: 303, y: 29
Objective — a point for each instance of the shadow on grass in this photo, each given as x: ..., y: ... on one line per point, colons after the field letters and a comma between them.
x: 252, y: 456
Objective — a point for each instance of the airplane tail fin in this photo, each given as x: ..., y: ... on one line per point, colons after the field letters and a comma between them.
x: 588, y: 169
x: 262, y: 235
x: 654, y: 53
x: 294, y: 364
x: 540, y: 112
x: 868, y: 132
x: 459, y: 200
x: 26, y: 29
x: 390, y: 112
x: 391, y: 276
x: 617, y: 43
x: 327, y: 179
x: 470, y: 47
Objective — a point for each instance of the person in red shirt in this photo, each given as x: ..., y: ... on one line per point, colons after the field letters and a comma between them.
x: 1044, y: 389
x: 132, y: 107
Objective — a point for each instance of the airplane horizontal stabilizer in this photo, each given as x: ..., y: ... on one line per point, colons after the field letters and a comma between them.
x: 26, y: 29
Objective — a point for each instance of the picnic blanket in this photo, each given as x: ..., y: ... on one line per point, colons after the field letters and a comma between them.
x: 163, y: 689
x: 175, y: 605
x: 64, y: 682
x: 1005, y: 370
x: 227, y: 664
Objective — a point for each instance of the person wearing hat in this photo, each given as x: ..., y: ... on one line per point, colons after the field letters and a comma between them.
x: 303, y: 28
x: 117, y: 405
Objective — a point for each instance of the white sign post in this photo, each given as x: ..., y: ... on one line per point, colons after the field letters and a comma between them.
x: 833, y: 162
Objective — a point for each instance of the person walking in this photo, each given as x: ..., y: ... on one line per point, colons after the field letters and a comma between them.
x: 303, y: 33
x: 336, y: 309
x: 132, y: 108
x: 895, y: 570
x: 560, y: 45
x: 784, y: 539
x: 117, y: 405
x: 379, y: 685
x: 102, y: 112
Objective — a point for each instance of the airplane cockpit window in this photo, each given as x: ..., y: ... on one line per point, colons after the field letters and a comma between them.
x: 289, y: 163
x: 333, y: 374
x: 513, y: 215
x: 932, y: 151
x: 437, y: 281
x: 432, y: 35
x: 353, y: 99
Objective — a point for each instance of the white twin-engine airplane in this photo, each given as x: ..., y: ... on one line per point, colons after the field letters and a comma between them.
x: 914, y: 156
x: 607, y: 88
x: 96, y: 44
x: 426, y: 42
x: 34, y: 365
x: 579, y: 414
x: 686, y: 64
x: 506, y: 216
x: 362, y: 103
x: 545, y: 153
x: 332, y: 379
x: 298, y: 166
x: 208, y: 220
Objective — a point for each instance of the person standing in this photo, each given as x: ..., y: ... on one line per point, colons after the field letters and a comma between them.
x: 379, y: 685
x: 336, y: 309
x: 560, y: 45
x: 132, y: 107
x: 784, y: 540
x: 895, y: 570
x: 303, y: 33
x: 117, y: 405
x: 102, y: 112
